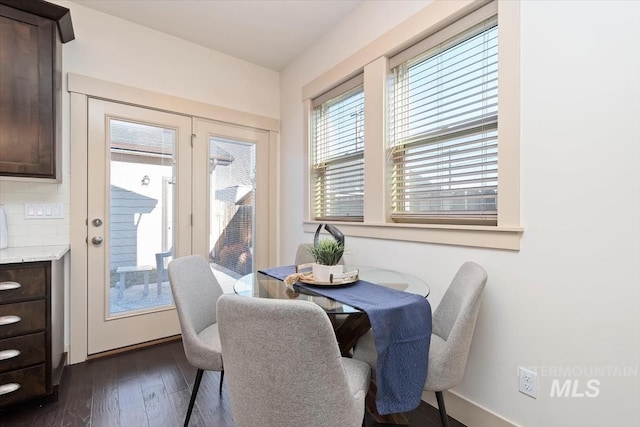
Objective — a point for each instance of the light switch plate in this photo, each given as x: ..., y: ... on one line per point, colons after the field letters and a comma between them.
x: 43, y: 211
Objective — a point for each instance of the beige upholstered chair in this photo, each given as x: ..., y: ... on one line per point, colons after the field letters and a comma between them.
x: 453, y: 324
x: 284, y: 367
x: 196, y: 292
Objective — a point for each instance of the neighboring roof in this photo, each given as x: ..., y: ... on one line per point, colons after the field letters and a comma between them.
x: 136, y: 202
x: 144, y: 138
x: 234, y: 195
x: 232, y: 162
x: 141, y: 138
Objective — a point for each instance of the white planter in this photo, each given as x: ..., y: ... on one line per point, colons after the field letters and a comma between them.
x: 322, y: 273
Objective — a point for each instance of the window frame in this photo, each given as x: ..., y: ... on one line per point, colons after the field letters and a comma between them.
x: 374, y: 60
x: 345, y: 91
x: 411, y: 193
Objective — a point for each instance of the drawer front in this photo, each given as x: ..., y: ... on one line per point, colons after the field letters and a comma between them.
x: 22, y: 384
x: 22, y: 351
x: 25, y: 281
x: 22, y: 318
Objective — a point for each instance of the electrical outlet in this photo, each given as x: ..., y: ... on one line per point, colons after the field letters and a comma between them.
x: 528, y: 382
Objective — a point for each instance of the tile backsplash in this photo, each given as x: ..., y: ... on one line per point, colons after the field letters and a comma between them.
x: 35, y: 232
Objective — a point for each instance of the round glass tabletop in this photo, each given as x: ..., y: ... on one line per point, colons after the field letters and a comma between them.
x: 260, y: 285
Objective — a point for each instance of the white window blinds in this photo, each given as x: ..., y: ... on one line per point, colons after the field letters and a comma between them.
x: 337, y: 153
x: 444, y: 127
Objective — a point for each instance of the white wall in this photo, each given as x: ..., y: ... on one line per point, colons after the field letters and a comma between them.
x: 115, y: 50
x: 570, y: 298
x: 150, y: 229
x: 112, y: 49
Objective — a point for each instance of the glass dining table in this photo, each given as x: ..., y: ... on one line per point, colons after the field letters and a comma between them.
x: 348, y: 329
x: 349, y: 322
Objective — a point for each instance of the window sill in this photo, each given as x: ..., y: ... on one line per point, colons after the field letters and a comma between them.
x: 459, y: 235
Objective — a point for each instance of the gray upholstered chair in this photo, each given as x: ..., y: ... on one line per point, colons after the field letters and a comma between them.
x: 195, y: 293
x: 303, y: 256
x: 453, y: 324
x: 284, y: 367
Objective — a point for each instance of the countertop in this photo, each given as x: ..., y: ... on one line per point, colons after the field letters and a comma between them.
x: 33, y: 253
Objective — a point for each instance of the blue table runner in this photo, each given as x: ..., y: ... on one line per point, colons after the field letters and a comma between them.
x: 401, y: 325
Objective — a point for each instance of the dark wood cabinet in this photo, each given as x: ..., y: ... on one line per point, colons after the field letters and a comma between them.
x: 31, y: 330
x: 31, y: 33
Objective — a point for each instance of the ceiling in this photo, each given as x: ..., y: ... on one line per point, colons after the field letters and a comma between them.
x: 270, y: 33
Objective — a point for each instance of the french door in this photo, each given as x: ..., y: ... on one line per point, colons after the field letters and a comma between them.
x: 160, y: 186
x: 139, y: 182
x: 231, y: 196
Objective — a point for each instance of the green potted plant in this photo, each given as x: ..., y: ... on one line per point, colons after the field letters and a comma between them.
x: 327, y: 254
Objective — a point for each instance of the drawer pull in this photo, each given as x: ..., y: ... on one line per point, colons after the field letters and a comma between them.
x: 7, y: 320
x: 8, y: 388
x: 7, y: 286
x: 9, y: 354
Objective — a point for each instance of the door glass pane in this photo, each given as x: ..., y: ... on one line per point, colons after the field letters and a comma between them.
x: 141, y: 195
x: 232, y: 167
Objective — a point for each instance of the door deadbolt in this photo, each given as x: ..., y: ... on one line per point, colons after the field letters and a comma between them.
x: 96, y: 222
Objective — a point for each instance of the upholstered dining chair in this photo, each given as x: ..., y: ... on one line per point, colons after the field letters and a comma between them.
x: 284, y: 367
x: 195, y: 293
x: 303, y: 255
x: 454, y: 321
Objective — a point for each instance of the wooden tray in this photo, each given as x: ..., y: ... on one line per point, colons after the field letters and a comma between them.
x: 349, y: 278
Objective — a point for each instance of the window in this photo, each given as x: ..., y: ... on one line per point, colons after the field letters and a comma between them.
x: 441, y: 159
x: 444, y: 129
x: 337, y: 153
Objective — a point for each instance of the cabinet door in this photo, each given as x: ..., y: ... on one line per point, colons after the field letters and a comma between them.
x: 27, y: 128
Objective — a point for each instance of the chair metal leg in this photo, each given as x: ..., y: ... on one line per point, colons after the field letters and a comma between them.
x: 221, y: 378
x: 443, y: 411
x: 194, y: 393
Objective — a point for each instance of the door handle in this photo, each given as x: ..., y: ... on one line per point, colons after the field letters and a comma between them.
x: 96, y: 240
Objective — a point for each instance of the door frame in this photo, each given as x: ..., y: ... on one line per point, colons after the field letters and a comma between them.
x: 82, y: 88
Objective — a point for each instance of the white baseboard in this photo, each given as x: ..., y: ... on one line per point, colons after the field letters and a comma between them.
x: 468, y: 413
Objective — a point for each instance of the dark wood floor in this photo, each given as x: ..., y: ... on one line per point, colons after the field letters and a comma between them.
x: 149, y: 387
